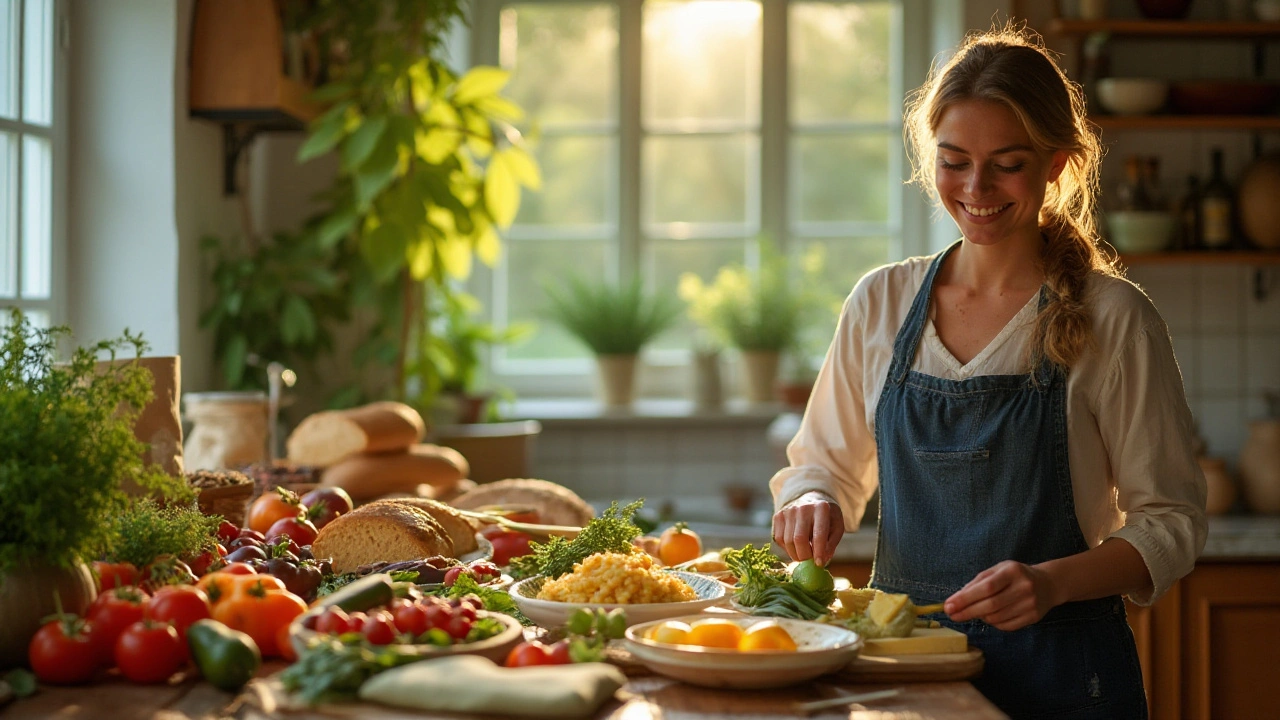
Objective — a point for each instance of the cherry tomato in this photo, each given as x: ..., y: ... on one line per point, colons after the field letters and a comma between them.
x: 110, y: 614
x: 208, y: 560
x: 451, y: 575
x: 227, y: 531
x: 272, y: 506
x: 528, y: 654
x: 113, y: 575
x: 298, y: 529
x: 62, y: 652
x: 380, y: 628
x: 485, y: 571
x: 437, y: 616
x: 179, y: 605
x: 558, y: 654
x: 149, y: 652
x: 411, y: 619
x: 458, y: 626
x: 334, y: 620
x: 356, y: 621
x: 508, y: 545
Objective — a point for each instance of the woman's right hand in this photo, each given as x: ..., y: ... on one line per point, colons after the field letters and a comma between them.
x: 809, y: 527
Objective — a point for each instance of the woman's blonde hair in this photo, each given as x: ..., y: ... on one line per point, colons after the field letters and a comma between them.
x: 1010, y: 66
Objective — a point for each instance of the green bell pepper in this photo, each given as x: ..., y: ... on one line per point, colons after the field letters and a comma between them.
x: 227, y: 658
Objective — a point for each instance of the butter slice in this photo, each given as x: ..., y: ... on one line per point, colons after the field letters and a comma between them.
x: 885, y: 607
x: 923, y: 641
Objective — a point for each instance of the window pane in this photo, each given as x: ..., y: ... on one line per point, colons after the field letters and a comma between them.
x: 700, y: 179
x: 846, y: 261
x: 8, y: 215
x: 564, y: 61
x: 578, y: 183
x: 37, y: 217
x: 668, y: 259
x: 701, y: 61
x: 9, y: 58
x: 38, y: 318
x: 839, y: 56
x: 529, y: 264
x: 841, y: 177
x: 37, y: 62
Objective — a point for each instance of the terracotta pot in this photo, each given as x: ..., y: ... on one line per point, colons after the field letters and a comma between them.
x: 26, y: 598
x: 1260, y: 467
x: 1222, y: 488
x: 617, y: 375
x: 708, y: 389
x: 761, y: 373
x: 1259, y: 211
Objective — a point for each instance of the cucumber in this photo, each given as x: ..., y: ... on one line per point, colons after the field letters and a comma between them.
x: 367, y: 592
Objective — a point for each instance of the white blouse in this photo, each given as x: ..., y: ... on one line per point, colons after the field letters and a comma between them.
x: 1129, y: 430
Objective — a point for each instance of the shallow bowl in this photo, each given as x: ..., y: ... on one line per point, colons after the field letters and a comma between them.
x: 1139, y: 231
x: 551, y: 613
x: 820, y: 649
x: 1132, y: 96
x: 495, y: 648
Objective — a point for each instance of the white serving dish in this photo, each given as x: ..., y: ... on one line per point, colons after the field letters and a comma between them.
x: 551, y: 613
x: 1132, y: 96
x: 1135, y: 231
x: 820, y: 649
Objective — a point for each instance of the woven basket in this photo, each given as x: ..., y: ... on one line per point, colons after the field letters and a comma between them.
x: 229, y: 501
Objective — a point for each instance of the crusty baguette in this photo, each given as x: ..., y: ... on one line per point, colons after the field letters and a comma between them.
x: 381, y: 532
x: 460, y: 530
x: 325, y: 438
x: 556, y: 504
x: 366, y: 477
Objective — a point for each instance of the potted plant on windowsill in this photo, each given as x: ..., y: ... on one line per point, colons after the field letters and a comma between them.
x: 67, y: 443
x: 761, y: 310
x: 615, y: 321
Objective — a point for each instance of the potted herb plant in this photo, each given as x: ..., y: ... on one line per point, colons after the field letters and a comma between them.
x: 614, y: 320
x: 67, y: 443
x: 761, y: 310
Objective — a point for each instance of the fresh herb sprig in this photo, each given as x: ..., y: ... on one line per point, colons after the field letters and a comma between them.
x: 757, y: 570
x: 146, y: 530
x: 493, y: 600
x: 611, y: 532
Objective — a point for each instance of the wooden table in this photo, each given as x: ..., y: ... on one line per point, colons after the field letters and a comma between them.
x: 643, y: 698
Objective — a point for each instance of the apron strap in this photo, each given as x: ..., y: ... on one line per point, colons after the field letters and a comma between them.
x: 908, y: 338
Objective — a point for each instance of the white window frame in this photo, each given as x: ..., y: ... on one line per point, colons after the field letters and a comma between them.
x: 55, y: 305
x: 665, y: 372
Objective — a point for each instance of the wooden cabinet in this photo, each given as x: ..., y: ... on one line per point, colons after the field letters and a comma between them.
x: 1209, y: 648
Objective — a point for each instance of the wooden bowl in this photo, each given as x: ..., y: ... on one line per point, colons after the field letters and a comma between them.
x: 495, y: 648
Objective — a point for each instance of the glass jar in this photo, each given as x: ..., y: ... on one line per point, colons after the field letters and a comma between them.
x: 229, y: 430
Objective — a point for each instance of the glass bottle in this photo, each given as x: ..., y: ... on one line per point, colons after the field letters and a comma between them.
x: 1188, y: 215
x: 1216, y: 208
x: 1151, y: 182
x: 1132, y: 194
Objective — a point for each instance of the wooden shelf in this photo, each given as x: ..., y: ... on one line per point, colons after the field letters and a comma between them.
x: 1169, y: 28
x: 1191, y: 257
x: 1122, y: 123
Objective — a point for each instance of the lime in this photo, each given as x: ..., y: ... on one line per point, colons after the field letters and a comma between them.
x: 815, y: 581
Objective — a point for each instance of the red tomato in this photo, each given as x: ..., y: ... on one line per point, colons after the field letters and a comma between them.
x: 113, y: 575
x: 528, y: 654
x: 491, y: 530
x: 149, y: 652
x: 451, y: 575
x: 334, y: 620
x: 508, y: 545
x: 180, y: 605
x: 458, y: 627
x: 238, y: 568
x: 437, y: 616
x: 326, y: 503
x: 485, y: 571
x: 208, y: 561
x: 62, y: 652
x: 558, y: 654
x: 411, y: 619
x: 379, y: 629
x: 227, y: 531
x: 270, y: 507
x: 356, y: 621
x: 110, y: 614
x: 298, y: 529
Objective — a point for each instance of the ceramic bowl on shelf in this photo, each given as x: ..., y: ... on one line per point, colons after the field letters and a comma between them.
x: 1140, y: 231
x: 552, y: 613
x: 820, y: 649
x: 1132, y: 96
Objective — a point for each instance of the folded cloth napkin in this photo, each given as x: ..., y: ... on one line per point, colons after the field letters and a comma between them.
x: 469, y: 683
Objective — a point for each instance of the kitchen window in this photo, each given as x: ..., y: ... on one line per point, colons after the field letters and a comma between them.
x: 31, y: 232
x: 672, y: 133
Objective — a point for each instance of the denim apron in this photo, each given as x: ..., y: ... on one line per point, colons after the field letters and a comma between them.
x: 974, y: 472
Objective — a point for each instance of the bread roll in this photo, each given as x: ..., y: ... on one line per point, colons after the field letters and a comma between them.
x: 366, y: 477
x: 556, y: 504
x: 460, y: 530
x: 381, y: 532
x: 325, y: 438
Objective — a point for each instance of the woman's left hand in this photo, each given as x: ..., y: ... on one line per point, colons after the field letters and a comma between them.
x: 1007, y: 596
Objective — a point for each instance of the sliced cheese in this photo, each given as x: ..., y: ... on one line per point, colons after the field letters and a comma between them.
x: 854, y: 601
x: 885, y: 607
x: 923, y: 641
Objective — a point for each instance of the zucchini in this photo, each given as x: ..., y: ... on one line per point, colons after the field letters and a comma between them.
x: 367, y: 592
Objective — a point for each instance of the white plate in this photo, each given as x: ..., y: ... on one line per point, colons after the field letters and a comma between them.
x: 551, y: 613
x: 483, y: 551
x: 820, y: 649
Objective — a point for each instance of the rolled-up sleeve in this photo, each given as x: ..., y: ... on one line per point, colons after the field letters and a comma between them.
x: 834, y: 451
x: 1149, y: 435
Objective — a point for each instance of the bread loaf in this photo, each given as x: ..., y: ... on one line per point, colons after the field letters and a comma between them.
x: 556, y: 504
x: 325, y: 438
x: 381, y: 532
x: 460, y: 530
x: 366, y: 477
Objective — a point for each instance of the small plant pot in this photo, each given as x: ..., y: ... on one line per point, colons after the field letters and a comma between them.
x: 26, y: 598
x: 617, y: 375
x: 761, y: 373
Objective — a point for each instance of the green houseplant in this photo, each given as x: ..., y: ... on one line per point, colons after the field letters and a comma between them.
x: 615, y: 321
x: 66, y: 444
x: 431, y: 164
x: 762, y: 311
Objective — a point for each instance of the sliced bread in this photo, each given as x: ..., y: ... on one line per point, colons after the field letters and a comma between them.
x: 381, y: 532
x: 460, y: 530
x: 556, y: 504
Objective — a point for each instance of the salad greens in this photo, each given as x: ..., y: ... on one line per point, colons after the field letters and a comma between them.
x: 611, y: 532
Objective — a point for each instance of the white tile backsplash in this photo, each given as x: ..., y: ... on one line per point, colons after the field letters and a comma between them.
x: 1221, y: 369
x: 1221, y: 299
x: 1222, y: 426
